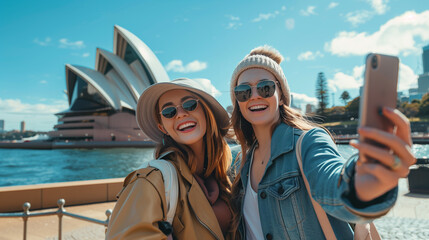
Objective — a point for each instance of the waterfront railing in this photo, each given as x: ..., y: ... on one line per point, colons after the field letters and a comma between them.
x: 26, y: 214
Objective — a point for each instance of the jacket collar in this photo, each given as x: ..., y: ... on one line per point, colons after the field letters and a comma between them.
x: 180, y: 164
x: 282, y: 141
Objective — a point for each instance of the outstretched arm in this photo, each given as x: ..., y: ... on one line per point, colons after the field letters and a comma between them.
x: 375, y: 178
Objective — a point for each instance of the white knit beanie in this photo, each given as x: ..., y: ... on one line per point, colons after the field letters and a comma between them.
x: 258, y: 60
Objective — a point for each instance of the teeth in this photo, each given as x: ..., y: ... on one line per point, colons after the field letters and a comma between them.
x: 185, y: 125
x: 257, y: 107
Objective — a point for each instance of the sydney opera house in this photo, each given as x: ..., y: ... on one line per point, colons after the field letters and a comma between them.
x: 102, y: 101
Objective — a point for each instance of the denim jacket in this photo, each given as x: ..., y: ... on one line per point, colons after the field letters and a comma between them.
x: 285, y: 208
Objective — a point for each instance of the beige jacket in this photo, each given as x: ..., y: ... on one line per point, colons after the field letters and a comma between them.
x: 142, y: 204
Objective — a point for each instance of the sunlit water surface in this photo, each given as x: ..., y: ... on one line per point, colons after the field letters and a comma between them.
x: 23, y: 167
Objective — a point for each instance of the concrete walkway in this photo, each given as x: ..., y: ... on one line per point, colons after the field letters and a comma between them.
x: 409, y: 219
x: 46, y: 227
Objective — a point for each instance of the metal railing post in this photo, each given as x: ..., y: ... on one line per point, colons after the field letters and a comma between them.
x: 106, y: 223
x: 60, y: 213
x: 26, y: 206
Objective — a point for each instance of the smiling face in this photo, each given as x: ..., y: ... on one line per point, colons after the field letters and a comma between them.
x: 186, y: 127
x: 259, y: 111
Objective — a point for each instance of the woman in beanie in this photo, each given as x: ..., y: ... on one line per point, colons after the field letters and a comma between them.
x: 270, y: 198
x: 189, y: 127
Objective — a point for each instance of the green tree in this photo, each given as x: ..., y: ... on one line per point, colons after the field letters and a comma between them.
x: 322, y: 93
x: 345, y: 96
x: 424, y: 106
x: 410, y: 109
x: 353, y: 107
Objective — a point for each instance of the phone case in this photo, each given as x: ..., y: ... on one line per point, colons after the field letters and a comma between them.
x: 380, y: 89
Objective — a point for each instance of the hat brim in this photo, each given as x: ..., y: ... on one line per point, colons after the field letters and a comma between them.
x: 145, y: 112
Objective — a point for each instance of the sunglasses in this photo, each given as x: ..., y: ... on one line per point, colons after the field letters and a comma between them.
x: 188, y: 105
x: 265, y: 88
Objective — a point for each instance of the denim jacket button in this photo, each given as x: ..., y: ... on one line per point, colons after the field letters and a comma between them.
x: 281, y: 190
x: 269, y: 236
x: 263, y: 195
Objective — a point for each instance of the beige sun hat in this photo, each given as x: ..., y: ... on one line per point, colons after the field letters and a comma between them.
x: 145, y: 112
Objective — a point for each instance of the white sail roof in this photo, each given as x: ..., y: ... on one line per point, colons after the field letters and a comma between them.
x: 123, y: 39
x: 119, y: 77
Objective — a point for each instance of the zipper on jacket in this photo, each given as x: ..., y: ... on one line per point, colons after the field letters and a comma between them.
x: 207, y: 227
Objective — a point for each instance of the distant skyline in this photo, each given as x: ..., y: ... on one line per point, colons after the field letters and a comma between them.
x: 199, y: 39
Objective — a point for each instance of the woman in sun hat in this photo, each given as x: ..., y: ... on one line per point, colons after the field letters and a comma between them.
x: 270, y: 197
x: 189, y: 127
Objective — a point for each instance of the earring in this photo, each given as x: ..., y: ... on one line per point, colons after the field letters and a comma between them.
x: 163, y: 141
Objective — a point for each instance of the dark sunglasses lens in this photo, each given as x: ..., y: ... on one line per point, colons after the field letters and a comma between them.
x: 242, y: 92
x: 266, y: 88
x: 169, y: 112
x: 190, y: 105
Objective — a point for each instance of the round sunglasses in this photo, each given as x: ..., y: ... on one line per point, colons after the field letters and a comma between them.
x: 265, y: 88
x: 188, y: 105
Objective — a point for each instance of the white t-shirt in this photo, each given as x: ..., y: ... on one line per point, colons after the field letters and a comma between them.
x: 251, y: 211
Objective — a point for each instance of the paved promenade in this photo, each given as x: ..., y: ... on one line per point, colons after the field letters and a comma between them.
x: 409, y: 219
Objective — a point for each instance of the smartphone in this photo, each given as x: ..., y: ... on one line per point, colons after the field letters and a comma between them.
x: 379, y: 90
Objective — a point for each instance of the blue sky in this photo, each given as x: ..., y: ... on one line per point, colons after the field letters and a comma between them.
x: 199, y: 39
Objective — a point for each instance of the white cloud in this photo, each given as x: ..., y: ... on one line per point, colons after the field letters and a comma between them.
x: 46, y: 42
x: 379, y: 6
x: 234, y: 24
x: 358, y: 17
x: 65, y: 43
x: 208, y: 87
x: 396, y: 36
x: 309, y: 55
x: 233, y: 18
x: 264, y: 16
x: 333, y: 5
x: 43, y: 82
x: 309, y: 11
x: 290, y: 23
x: 37, y: 116
x: 407, y: 78
x: 16, y: 106
x: 84, y: 55
x: 342, y: 81
x: 301, y: 100
x: 177, y: 66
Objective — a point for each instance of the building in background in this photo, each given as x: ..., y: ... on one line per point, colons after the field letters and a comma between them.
x: 310, y: 109
x: 22, y: 126
x: 423, y: 81
x: 1, y: 125
x: 102, y: 101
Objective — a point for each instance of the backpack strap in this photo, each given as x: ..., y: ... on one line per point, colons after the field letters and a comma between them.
x: 321, y: 214
x: 171, y: 184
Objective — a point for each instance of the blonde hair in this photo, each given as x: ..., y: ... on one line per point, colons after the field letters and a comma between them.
x: 246, y: 135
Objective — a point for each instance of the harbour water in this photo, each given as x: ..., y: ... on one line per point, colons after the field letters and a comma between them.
x: 24, y: 167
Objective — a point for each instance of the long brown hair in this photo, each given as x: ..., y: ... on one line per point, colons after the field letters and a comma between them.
x: 246, y: 135
x: 217, y: 151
